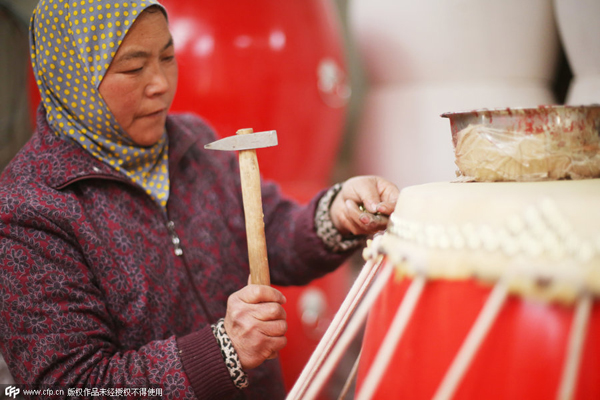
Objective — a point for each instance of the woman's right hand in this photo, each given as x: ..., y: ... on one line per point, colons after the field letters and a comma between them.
x: 256, y: 324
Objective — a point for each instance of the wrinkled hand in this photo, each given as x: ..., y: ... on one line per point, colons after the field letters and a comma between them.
x: 256, y: 324
x: 376, y: 196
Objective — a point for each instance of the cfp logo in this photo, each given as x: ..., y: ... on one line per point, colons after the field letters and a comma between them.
x: 12, y: 391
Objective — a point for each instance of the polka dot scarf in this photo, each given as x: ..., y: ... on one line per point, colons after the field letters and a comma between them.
x: 72, y: 45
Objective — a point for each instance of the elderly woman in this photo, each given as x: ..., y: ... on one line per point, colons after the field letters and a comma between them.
x: 122, y: 242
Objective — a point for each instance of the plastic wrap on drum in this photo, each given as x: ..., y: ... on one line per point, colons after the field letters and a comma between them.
x: 487, y: 154
x: 527, y: 144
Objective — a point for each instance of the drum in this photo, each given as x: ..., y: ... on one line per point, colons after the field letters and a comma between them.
x: 267, y: 65
x: 481, y: 290
x: 525, y: 352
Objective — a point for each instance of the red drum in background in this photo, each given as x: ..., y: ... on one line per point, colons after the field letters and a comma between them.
x: 34, y: 96
x: 267, y: 64
x: 521, y: 357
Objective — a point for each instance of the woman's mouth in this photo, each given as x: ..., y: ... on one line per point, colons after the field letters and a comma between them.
x: 154, y: 114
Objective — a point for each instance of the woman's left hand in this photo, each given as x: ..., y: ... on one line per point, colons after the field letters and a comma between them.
x: 363, y: 205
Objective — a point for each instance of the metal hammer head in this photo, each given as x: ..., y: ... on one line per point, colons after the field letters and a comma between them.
x: 246, y: 141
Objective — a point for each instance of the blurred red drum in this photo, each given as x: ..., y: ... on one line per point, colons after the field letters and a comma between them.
x: 266, y: 64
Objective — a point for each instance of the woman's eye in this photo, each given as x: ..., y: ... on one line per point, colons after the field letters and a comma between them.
x: 133, y: 71
x: 168, y: 58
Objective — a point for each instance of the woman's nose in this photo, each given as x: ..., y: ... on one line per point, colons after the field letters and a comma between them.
x: 158, y: 83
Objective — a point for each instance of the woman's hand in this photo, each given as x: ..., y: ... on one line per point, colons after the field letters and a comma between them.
x: 256, y: 324
x: 363, y: 205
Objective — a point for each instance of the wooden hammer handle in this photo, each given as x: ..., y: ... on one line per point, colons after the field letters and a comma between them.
x: 253, y: 211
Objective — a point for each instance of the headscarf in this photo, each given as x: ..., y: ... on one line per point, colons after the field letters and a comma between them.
x: 73, y: 43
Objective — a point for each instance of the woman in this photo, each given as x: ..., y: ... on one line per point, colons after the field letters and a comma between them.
x: 122, y: 241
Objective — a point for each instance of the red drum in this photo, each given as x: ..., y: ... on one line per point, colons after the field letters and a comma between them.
x: 34, y: 95
x: 523, y: 354
x: 267, y: 64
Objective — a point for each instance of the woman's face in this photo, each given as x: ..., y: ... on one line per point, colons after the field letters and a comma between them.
x: 140, y: 83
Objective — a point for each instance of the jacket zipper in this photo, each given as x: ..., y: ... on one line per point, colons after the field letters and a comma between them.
x: 179, y: 252
x: 175, y: 239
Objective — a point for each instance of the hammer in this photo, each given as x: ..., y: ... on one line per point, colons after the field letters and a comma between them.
x: 246, y: 142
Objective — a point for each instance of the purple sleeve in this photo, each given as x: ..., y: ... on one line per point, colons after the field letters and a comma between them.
x: 201, y: 357
x: 296, y: 253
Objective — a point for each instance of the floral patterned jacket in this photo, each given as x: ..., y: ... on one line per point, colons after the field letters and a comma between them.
x: 99, y: 288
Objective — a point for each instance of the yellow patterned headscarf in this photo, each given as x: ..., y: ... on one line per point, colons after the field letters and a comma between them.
x: 73, y: 43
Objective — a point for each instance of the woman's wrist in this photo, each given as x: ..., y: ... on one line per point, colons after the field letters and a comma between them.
x: 230, y: 356
x: 325, y: 227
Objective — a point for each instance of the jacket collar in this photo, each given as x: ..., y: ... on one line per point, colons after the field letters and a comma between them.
x: 62, y: 161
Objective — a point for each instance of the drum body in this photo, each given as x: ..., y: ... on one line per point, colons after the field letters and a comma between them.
x: 267, y: 65
x: 521, y: 357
